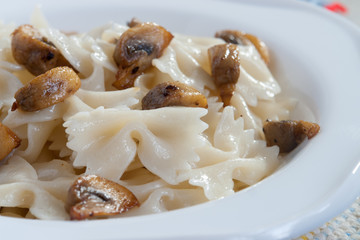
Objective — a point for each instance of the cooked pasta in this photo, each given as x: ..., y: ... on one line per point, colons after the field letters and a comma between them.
x: 169, y: 158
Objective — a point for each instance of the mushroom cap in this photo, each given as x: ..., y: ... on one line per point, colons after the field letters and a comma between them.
x: 135, y: 50
x: 47, y: 89
x: 288, y: 134
x: 34, y: 51
x: 241, y: 38
x: 8, y: 141
x: 173, y: 94
x: 95, y: 196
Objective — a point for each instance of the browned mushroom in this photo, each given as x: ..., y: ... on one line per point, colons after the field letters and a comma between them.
x: 94, y: 196
x: 173, y: 94
x: 8, y: 141
x: 241, y: 38
x: 34, y: 51
x: 225, y: 69
x: 47, y: 89
x: 135, y: 50
x: 288, y: 134
x: 134, y: 22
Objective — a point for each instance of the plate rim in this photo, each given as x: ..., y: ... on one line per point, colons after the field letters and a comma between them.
x: 328, y: 211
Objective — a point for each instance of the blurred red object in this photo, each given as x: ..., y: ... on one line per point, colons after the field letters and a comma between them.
x: 336, y: 7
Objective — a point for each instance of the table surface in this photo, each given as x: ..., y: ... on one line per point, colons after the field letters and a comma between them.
x: 347, y: 224
x: 353, y: 10
x: 344, y: 226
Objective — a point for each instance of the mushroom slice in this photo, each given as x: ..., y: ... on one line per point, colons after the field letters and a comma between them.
x: 241, y: 38
x: 47, y: 89
x: 34, y: 51
x: 8, y: 141
x: 173, y: 94
x: 94, y: 196
x: 225, y: 69
x: 134, y: 22
x: 135, y: 50
x: 288, y: 134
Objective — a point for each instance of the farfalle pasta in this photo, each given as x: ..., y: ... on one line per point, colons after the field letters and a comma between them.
x: 168, y: 158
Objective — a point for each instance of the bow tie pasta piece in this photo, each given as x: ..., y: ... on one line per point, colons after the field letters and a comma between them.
x: 107, y: 140
x: 9, y: 84
x: 217, y: 180
x: 41, y: 204
x: 166, y: 199
x: 124, y: 99
x: 235, y: 154
x: 20, y: 187
x: 188, y: 70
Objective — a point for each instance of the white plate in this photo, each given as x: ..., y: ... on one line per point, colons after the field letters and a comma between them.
x: 313, y: 51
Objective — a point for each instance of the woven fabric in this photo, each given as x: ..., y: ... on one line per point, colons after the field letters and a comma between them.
x: 344, y: 226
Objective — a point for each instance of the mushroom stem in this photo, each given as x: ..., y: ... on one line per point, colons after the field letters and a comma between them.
x: 225, y: 69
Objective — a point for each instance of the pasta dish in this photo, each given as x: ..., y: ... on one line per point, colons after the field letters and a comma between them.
x: 132, y: 120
